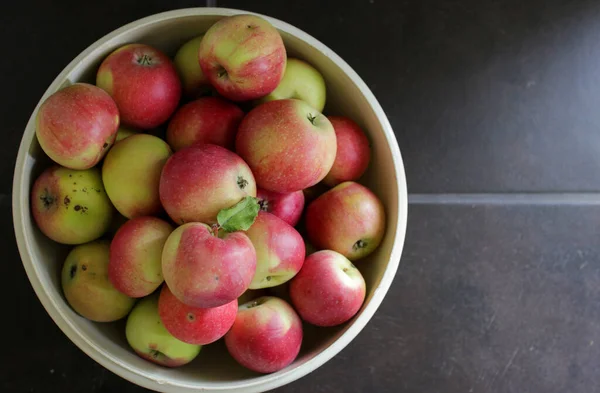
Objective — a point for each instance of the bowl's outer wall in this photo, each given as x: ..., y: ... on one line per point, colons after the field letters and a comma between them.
x: 105, y: 343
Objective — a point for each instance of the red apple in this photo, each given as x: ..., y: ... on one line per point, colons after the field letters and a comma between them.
x: 279, y: 251
x: 348, y: 219
x: 243, y: 56
x: 195, y: 325
x: 198, y: 181
x: 77, y: 125
x: 329, y: 290
x: 206, y: 120
x: 135, y: 256
x: 288, y: 144
x: 205, y: 270
x: 143, y: 82
x: 353, y: 152
x: 287, y: 206
x: 266, y: 335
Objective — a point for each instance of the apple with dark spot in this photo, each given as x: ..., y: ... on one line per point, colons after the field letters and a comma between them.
x: 86, y: 285
x: 71, y: 206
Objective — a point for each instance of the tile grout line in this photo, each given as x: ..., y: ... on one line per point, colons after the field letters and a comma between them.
x: 554, y: 198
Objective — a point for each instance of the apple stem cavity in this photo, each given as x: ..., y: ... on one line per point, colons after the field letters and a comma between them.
x: 359, y: 244
x: 241, y: 182
x: 47, y: 199
x: 145, y: 60
x: 73, y: 271
x: 222, y: 72
x: 264, y: 204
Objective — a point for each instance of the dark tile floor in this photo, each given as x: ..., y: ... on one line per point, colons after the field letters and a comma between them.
x: 496, y: 292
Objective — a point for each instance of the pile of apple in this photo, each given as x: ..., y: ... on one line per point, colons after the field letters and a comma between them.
x: 207, y: 220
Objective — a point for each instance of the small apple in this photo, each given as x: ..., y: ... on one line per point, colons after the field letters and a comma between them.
x: 195, y: 325
x: 71, y: 206
x: 243, y: 56
x: 329, y: 290
x: 301, y: 81
x: 287, y: 206
x: 123, y: 133
x: 149, y: 338
x: 135, y: 256
x: 206, y: 120
x: 279, y: 251
x: 193, y: 81
x: 198, y: 181
x: 348, y: 219
x: 131, y: 174
x: 353, y: 152
x: 288, y: 145
x: 77, y: 125
x: 204, y: 269
x: 86, y: 285
x: 266, y: 335
x: 143, y: 82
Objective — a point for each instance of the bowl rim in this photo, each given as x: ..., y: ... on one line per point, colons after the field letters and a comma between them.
x: 145, y: 378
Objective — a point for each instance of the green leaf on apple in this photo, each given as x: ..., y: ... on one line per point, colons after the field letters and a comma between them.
x: 240, y: 216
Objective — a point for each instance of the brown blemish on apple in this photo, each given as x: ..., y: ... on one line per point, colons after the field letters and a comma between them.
x: 73, y: 271
x: 82, y: 209
x: 191, y: 317
x: 66, y: 201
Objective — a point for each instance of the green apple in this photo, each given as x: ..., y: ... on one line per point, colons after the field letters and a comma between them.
x: 71, y: 206
x: 149, y: 338
x: 195, y: 84
x: 131, y: 174
x: 86, y: 285
x: 301, y: 81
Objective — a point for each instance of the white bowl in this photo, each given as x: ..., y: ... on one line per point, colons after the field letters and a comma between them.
x: 214, y: 370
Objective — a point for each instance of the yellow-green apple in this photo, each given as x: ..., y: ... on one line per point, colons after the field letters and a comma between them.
x: 353, y: 152
x: 149, y: 338
x: 206, y: 120
x: 195, y: 325
x: 193, y: 81
x: 207, y: 269
x: 266, y: 335
x: 288, y: 206
x: 349, y: 219
x: 131, y: 174
x: 198, y: 181
x: 301, y: 81
x: 243, y: 56
x: 135, y: 255
x: 86, y: 285
x: 71, y: 206
x: 77, y: 125
x: 329, y: 290
x: 143, y: 82
x: 288, y: 144
x: 279, y: 250
x: 123, y: 133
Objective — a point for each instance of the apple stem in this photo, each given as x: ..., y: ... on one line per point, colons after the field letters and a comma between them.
x: 145, y: 60
x: 215, y: 230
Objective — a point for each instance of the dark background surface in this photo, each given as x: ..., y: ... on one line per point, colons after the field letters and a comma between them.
x: 495, y: 107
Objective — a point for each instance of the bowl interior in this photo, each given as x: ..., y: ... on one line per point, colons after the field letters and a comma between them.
x: 213, y: 369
